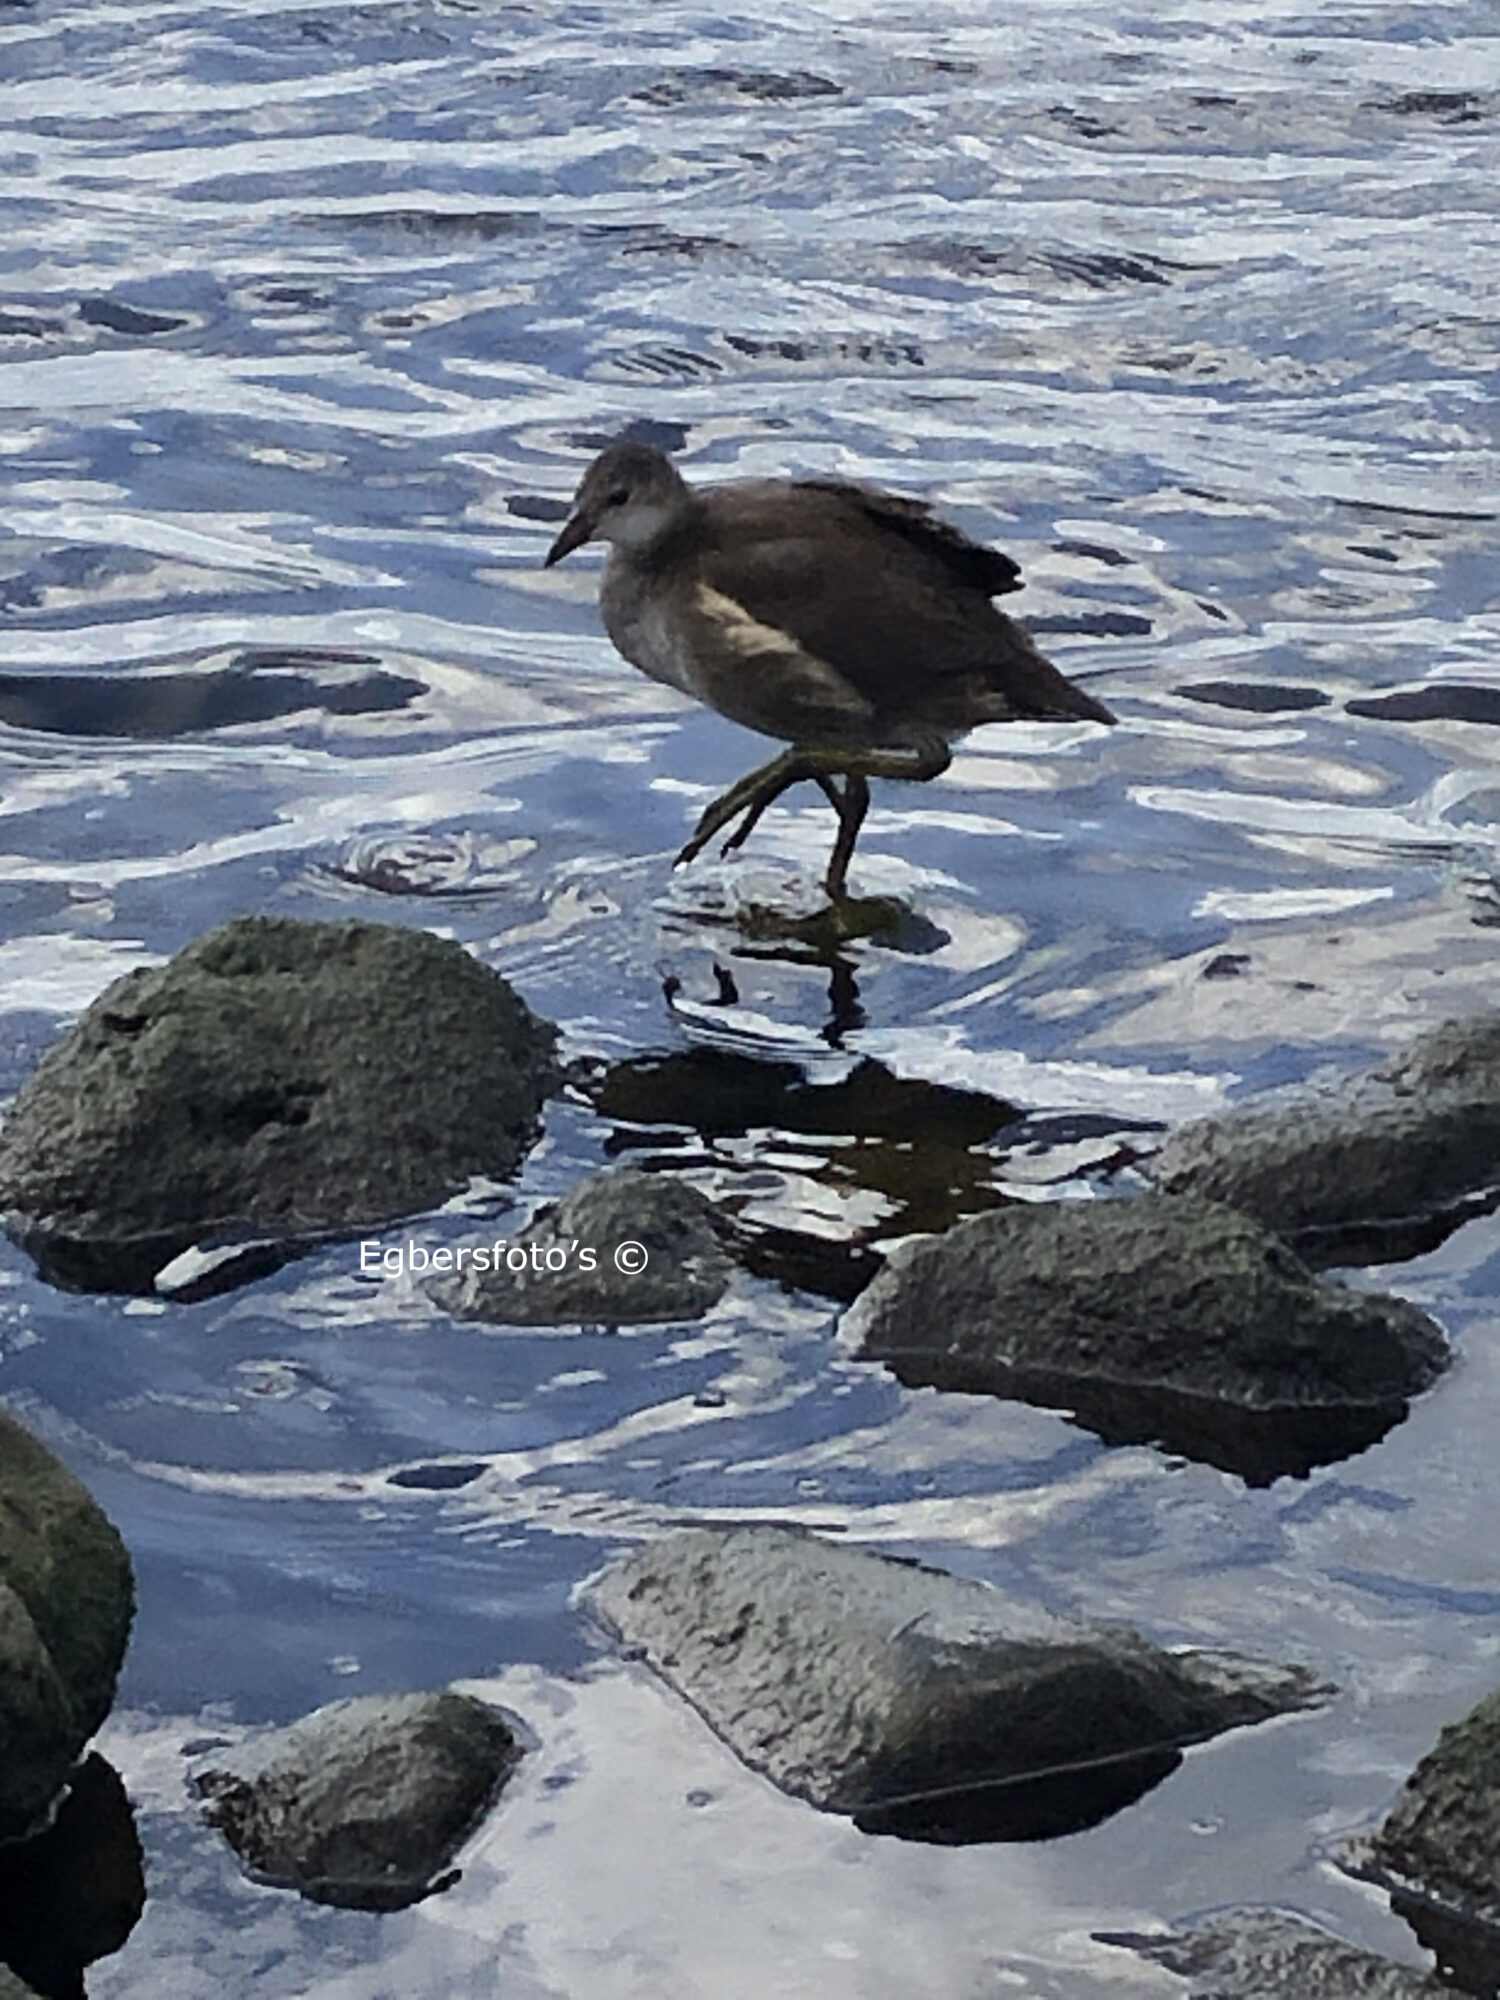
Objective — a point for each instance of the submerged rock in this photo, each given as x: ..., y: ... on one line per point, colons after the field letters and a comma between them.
x: 923, y: 1704
x: 625, y: 1248
x: 1265, y: 1955
x: 1165, y: 1318
x: 1381, y: 1166
x: 362, y: 1803
x: 66, y: 1601
x: 275, y: 1078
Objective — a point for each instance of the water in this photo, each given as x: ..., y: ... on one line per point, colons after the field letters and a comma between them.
x: 309, y: 319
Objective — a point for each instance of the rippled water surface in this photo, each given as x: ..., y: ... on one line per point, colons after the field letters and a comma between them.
x: 309, y: 319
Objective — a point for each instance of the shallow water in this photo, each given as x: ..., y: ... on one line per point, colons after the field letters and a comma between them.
x: 310, y: 319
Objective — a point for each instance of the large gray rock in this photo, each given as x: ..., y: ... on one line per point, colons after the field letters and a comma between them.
x: 1265, y: 1955
x: 1165, y: 1318
x: 1382, y: 1165
x: 1442, y: 1838
x: 277, y: 1077
x: 66, y: 1602
x: 924, y: 1704
x: 362, y: 1803
x: 624, y: 1248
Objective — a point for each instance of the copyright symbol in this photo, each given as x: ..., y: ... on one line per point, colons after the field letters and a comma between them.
x: 630, y: 1258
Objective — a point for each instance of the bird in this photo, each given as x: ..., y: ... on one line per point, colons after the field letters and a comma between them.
x: 850, y: 623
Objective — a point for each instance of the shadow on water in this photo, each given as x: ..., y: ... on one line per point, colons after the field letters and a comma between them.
x: 1044, y: 1805
x: 255, y: 687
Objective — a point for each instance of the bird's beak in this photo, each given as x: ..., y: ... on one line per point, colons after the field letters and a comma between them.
x: 577, y: 529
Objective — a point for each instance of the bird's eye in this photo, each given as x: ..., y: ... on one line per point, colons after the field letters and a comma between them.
x: 618, y: 498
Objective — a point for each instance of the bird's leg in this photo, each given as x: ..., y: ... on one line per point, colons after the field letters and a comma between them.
x: 851, y: 810
x: 923, y: 758
x: 764, y: 783
x: 746, y: 826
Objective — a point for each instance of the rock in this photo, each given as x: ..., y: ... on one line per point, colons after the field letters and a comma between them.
x: 923, y: 1704
x: 1263, y: 1955
x: 276, y: 1078
x: 12, y: 1988
x: 74, y: 1892
x: 362, y: 1803
x: 66, y: 1601
x: 677, y: 1264
x: 1165, y: 1318
x: 1442, y: 1838
x: 1381, y: 1166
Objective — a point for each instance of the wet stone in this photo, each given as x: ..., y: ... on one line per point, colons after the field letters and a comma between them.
x: 1265, y: 1955
x: 1165, y: 1318
x: 624, y: 1248
x: 1383, y: 1165
x: 1442, y: 1839
x: 276, y: 1078
x: 362, y: 1803
x: 923, y: 1704
x: 66, y: 1603
x: 74, y: 1892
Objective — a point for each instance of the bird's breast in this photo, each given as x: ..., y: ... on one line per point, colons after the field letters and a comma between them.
x: 646, y: 625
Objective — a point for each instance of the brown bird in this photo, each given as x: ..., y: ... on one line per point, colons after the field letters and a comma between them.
x: 848, y: 622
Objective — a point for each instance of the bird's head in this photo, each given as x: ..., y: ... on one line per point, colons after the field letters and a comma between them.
x: 627, y: 497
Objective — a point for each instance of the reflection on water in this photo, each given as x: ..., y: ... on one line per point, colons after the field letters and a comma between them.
x: 309, y: 319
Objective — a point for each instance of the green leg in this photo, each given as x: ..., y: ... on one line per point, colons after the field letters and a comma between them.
x: 851, y: 811
x: 761, y: 787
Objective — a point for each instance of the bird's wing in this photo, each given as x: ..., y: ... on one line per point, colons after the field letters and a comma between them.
x: 968, y: 562
x: 882, y: 614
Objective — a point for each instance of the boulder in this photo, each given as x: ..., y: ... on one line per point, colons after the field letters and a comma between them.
x: 74, y: 1892
x: 275, y: 1078
x: 923, y: 1704
x: 1266, y: 1955
x: 1165, y: 1318
x: 625, y: 1248
x: 1383, y: 1165
x: 66, y: 1601
x: 362, y: 1803
x: 1442, y: 1838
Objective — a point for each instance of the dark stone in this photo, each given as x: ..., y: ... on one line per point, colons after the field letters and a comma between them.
x: 66, y: 1601
x: 1382, y: 1165
x: 1264, y: 1955
x: 1442, y: 1838
x: 1164, y: 1318
x: 677, y: 1265
x: 277, y: 1077
x: 363, y: 1803
x: 925, y: 1705
x: 73, y: 1893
